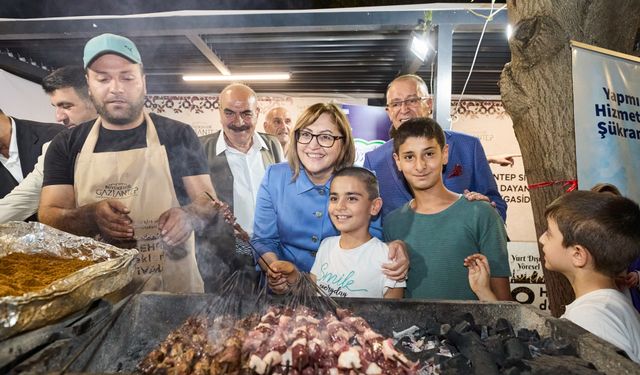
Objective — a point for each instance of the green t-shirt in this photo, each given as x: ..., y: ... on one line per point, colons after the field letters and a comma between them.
x: 438, y: 243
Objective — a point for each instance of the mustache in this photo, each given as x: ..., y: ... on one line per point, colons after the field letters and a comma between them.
x: 116, y: 99
x: 240, y: 128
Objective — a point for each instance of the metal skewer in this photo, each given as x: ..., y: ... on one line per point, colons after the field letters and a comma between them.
x: 242, y: 234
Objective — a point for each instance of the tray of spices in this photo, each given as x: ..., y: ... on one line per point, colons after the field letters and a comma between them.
x: 46, y: 274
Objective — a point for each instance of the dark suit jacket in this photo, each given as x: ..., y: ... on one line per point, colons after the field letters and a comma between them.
x: 215, y: 246
x: 31, y: 135
x: 221, y: 176
x: 467, y: 169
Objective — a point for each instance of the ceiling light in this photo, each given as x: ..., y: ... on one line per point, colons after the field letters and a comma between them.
x: 237, y: 77
x: 420, y: 46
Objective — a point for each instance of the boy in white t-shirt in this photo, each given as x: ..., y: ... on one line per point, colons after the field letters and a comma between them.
x: 350, y: 265
x: 591, y: 237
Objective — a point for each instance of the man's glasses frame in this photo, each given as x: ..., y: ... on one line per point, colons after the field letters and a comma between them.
x: 411, y: 102
x: 324, y: 140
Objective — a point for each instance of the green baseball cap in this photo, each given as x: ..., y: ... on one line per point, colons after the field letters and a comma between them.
x: 110, y: 43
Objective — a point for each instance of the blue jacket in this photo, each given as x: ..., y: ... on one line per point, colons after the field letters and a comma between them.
x: 468, y: 168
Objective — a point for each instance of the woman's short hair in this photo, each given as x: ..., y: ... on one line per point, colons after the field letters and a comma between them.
x: 311, y: 115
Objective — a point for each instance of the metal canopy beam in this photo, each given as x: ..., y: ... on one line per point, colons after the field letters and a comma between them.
x: 23, y: 69
x: 208, y: 53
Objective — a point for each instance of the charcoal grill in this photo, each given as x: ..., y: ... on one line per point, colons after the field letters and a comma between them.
x: 148, y: 318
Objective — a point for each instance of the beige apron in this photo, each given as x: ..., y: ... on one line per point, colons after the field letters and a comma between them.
x: 141, y: 179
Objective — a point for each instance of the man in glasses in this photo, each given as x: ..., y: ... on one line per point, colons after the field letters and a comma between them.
x: 467, y: 171
x: 238, y: 157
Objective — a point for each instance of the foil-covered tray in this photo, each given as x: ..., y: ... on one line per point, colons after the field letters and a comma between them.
x: 113, y: 270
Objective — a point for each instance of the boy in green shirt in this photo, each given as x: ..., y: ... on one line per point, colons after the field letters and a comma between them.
x: 439, y: 227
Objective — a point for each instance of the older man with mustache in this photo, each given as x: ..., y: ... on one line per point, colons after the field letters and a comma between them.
x: 238, y: 157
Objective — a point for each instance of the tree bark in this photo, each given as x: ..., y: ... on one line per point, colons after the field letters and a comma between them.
x: 537, y: 92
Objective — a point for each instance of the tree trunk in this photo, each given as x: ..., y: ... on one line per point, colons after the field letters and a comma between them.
x: 536, y: 88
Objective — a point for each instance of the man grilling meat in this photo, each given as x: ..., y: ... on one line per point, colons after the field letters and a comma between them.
x: 130, y: 178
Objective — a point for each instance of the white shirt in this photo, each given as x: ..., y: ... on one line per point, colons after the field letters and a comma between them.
x: 353, y: 272
x: 12, y: 163
x: 248, y: 170
x: 24, y: 199
x: 608, y: 314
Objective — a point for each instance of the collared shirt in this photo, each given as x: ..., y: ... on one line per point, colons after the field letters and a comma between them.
x: 247, y: 170
x: 291, y: 217
x: 12, y: 163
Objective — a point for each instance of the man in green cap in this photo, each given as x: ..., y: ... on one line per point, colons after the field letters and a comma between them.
x: 130, y: 178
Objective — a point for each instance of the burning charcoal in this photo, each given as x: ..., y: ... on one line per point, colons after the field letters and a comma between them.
x: 519, y: 369
x: 432, y: 326
x: 470, y: 346
x: 496, y: 348
x: 516, y: 350
x: 529, y: 336
x: 462, y: 327
x: 504, y: 328
x: 557, y: 347
x: 444, y: 328
x: 406, y: 333
x: 466, y: 317
x: 484, y: 333
x: 456, y: 365
x: 406, y: 342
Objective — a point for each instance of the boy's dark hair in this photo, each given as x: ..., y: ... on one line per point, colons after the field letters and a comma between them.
x: 67, y: 76
x: 604, y: 187
x: 363, y: 175
x: 605, y: 224
x: 420, y: 127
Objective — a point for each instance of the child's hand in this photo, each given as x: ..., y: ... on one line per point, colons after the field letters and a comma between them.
x: 398, y: 267
x: 621, y: 281
x: 632, y: 279
x: 480, y: 277
x: 284, y: 276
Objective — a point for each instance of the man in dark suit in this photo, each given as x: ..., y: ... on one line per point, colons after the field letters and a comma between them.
x: 20, y: 145
x: 238, y: 157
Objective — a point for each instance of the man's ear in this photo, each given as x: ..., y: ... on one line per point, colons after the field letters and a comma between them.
x: 376, y: 205
x: 580, y: 256
x: 445, y: 154
x: 397, y: 159
x: 144, y: 84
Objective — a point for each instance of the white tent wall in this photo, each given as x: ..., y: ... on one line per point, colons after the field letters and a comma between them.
x: 24, y: 99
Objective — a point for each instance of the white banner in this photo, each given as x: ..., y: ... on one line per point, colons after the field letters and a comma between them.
x: 606, y: 101
x: 488, y: 120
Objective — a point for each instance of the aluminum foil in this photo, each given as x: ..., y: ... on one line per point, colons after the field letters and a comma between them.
x: 113, y: 270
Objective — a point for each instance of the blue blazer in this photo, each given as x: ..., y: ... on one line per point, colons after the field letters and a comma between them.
x: 468, y: 168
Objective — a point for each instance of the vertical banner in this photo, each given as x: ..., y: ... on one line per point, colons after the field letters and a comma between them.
x: 606, y: 102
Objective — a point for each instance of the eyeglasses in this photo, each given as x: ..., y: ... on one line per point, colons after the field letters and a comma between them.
x: 411, y: 102
x: 246, y: 115
x: 324, y: 140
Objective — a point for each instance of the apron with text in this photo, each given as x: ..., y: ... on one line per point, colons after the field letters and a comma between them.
x: 141, y: 180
